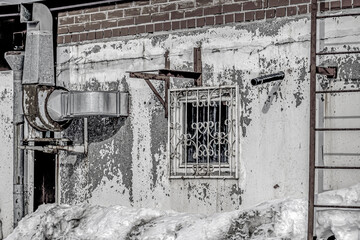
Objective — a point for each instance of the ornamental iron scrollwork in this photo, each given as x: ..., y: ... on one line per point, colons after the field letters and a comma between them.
x: 203, y: 132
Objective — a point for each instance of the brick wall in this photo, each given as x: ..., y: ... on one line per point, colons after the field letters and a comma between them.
x: 148, y: 16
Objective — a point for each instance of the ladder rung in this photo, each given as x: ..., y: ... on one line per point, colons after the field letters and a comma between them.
x: 336, y: 206
x: 339, y: 91
x: 335, y: 53
x: 338, y: 15
x: 337, y: 129
x: 335, y: 167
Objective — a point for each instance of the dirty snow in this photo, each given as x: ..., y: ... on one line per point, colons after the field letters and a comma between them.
x: 278, y: 219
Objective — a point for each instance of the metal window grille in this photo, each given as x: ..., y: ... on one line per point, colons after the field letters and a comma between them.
x: 203, y: 132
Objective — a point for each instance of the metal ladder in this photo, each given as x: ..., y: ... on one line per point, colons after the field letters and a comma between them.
x: 314, y: 70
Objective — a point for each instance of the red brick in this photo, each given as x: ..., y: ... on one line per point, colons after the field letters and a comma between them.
x: 168, y: 7
x: 278, y: 3
x: 132, y: 12
x: 74, y: 37
x: 150, y: 9
x: 124, y: 31
x: 209, y: 21
x: 109, y: 24
x: 62, y: 14
x: 82, y: 18
x: 99, y: 34
x: 158, y: 1
x: 194, y: 13
x: 124, y: 4
x: 140, y: 29
x: 270, y: 13
x: 203, y: 2
x: 252, y: 5
x: 143, y: 19
x: 296, y: 2
x: 116, y: 32
x: 98, y: 16
x: 92, y: 26
x: 346, y: 4
x: 126, y: 21
x: 302, y: 9
x: 183, y: 24
x: 239, y: 17
x: 260, y: 15
x: 132, y: 30
x: 75, y: 12
x: 76, y: 28
x: 177, y: 14
x: 291, y: 11
x: 67, y: 20
x: 116, y: 14
x: 149, y: 28
x: 356, y: 3
x: 185, y: 4
x: 212, y: 10
x: 82, y: 36
x: 160, y: 17
x: 324, y: 6
x: 200, y: 22
x: 249, y: 16
x: 219, y: 19
x: 107, y: 8
x: 280, y: 12
x: 91, y: 10
x: 60, y: 39
x: 90, y: 36
x: 158, y: 27
x: 62, y: 30
x: 175, y: 25
x: 67, y: 39
x: 167, y: 26
x: 336, y: 5
x: 191, y: 23
x: 141, y: 3
x: 108, y: 33
x: 229, y: 18
x: 236, y: 7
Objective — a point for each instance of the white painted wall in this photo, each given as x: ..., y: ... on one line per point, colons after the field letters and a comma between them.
x: 6, y: 149
x: 274, y: 133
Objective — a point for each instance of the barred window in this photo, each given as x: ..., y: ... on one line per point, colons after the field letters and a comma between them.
x: 203, y: 130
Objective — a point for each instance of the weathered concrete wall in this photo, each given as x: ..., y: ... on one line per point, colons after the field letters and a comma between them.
x: 127, y: 161
x: 6, y: 149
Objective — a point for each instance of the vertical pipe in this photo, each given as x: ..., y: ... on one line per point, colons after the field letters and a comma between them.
x: 312, y: 120
x: 86, y: 140
x: 16, y: 60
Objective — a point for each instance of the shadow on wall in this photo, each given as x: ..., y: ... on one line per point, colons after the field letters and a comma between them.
x: 99, y: 128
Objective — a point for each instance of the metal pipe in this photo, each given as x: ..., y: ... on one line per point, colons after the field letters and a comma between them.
x: 15, y: 61
x: 268, y: 78
x: 86, y: 141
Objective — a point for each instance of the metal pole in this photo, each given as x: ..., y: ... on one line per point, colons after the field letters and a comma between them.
x: 312, y: 120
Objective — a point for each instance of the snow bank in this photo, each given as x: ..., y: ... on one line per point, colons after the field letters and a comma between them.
x: 279, y: 219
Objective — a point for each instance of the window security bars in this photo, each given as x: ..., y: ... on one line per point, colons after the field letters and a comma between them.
x: 203, y: 132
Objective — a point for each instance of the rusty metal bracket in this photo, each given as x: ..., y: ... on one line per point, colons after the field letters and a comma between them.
x: 167, y: 73
x: 330, y: 72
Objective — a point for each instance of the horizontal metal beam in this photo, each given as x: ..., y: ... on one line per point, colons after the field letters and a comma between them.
x: 179, y: 74
x: 337, y: 53
x: 336, y: 206
x: 337, y: 129
x: 338, y: 15
x: 150, y: 76
x: 336, y: 167
x: 339, y: 91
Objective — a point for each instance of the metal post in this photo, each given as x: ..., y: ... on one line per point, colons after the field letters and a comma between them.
x: 312, y: 120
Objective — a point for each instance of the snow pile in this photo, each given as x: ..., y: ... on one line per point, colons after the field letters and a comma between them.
x: 279, y: 219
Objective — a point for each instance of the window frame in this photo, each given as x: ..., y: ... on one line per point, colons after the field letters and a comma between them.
x: 180, y: 168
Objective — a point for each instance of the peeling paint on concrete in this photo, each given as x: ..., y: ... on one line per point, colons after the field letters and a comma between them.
x: 128, y: 162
